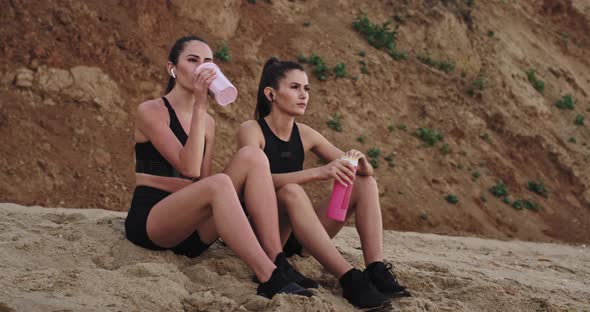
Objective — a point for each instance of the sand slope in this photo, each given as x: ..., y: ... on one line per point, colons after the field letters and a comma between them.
x: 78, y: 260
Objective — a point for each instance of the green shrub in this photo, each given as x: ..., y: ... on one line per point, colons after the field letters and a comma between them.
x: 499, y: 190
x: 445, y: 66
x: 361, y: 138
x: 452, y: 199
x: 319, y: 67
x: 429, y: 136
x: 519, y: 204
x: 572, y: 140
x: 302, y: 59
x: 445, y: 150
x: 340, y: 70
x: 579, y: 121
x: 362, y: 53
x: 538, y: 188
x: 223, y: 53
x: 391, y: 128
x: 486, y: 137
x: 335, y: 122
x: 490, y: 34
x: 306, y: 24
x: 374, y: 152
x: 475, y: 175
x: 566, y: 102
x: 470, y: 2
x: 379, y: 36
x: 477, y: 86
x: 402, y: 127
x: 506, y: 200
x: 390, y: 160
x: 537, y: 83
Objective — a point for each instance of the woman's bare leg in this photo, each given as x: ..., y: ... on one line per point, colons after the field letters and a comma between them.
x: 364, y: 203
x: 309, y: 230
x: 250, y: 173
x: 211, y: 200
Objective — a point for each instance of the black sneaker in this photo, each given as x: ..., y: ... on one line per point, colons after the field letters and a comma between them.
x: 360, y: 292
x: 292, y: 274
x: 279, y: 284
x: 382, y: 276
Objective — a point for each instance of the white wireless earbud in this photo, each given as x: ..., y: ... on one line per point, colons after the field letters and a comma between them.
x: 172, y: 73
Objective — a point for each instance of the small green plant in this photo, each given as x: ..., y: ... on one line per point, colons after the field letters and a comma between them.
x: 391, y: 128
x: 364, y: 68
x: 476, y: 87
x: 579, y: 121
x: 537, y: 187
x: 402, y: 127
x: 355, y: 78
x: 397, y: 55
x: 572, y: 140
x: 483, y: 198
x: 566, y: 102
x: 302, y: 59
x: 398, y: 18
x: 252, y: 1
x: 373, y: 154
x: 499, y: 190
x: 490, y: 33
x: 423, y: 216
x: 470, y: 2
x: 335, y: 122
x: 429, y: 136
x: 445, y: 66
x: 319, y: 67
x: 506, y: 200
x: 452, y: 199
x: 361, y: 138
x: 475, y: 175
x: 537, y: 83
x: 306, y: 24
x: 340, y: 70
x: 445, y: 150
x: 362, y: 53
x: 379, y: 36
x: 390, y: 160
x: 486, y: 137
x: 520, y: 204
x: 223, y: 53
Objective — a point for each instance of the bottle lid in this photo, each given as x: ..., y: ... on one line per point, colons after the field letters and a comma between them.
x: 352, y: 160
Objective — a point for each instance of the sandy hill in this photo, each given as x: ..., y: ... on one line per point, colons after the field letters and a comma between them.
x: 72, y: 73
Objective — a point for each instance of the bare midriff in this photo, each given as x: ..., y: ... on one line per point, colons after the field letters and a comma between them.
x: 168, y: 184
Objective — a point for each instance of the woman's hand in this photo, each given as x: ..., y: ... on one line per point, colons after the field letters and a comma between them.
x: 363, y: 167
x: 340, y: 170
x: 202, y: 79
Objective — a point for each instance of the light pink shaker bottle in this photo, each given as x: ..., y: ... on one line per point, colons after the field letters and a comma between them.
x: 223, y: 90
x: 341, y: 196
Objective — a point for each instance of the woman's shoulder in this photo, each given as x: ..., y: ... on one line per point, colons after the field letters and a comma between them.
x: 151, y: 107
x: 249, y: 125
x: 305, y: 129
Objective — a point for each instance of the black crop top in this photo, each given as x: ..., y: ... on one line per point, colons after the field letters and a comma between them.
x: 149, y: 160
x: 284, y: 157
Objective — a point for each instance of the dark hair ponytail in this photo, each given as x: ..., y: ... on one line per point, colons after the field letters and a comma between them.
x: 175, y: 53
x: 273, y: 71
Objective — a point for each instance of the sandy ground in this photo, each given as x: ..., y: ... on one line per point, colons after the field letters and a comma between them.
x: 78, y: 260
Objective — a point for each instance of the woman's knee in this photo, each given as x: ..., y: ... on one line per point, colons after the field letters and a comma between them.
x: 253, y: 156
x: 220, y: 183
x: 365, y: 182
x: 291, y: 193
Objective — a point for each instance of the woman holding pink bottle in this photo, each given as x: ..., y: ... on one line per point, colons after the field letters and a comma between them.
x: 283, y: 94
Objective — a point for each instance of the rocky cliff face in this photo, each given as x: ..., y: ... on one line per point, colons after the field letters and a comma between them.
x: 73, y: 72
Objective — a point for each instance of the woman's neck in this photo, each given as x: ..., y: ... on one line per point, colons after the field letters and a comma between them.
x: 280, y: 123
x: 182, y: 100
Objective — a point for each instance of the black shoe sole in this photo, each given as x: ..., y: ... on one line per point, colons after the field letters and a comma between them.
x: 384, y: 307
x: 399, y: 294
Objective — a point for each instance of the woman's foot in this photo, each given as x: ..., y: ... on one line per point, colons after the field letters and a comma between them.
x: 294, y: 275
x: 382, y: 276
x: 278, y: 283
x: 360, y: 292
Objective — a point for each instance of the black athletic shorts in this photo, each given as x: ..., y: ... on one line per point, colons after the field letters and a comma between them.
x: 144, y: 198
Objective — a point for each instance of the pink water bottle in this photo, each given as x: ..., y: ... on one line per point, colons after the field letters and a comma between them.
x: 341, y: 196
